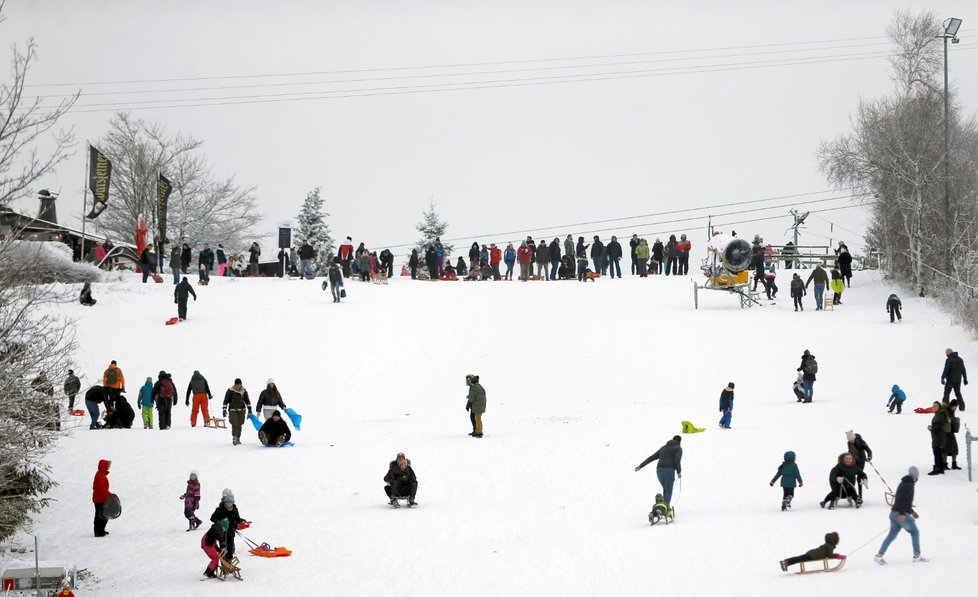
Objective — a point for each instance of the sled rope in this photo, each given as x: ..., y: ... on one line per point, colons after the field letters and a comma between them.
x: 880, y: 476
x: 871, y: 539
x: 678, y: 493
x: 250, y: 543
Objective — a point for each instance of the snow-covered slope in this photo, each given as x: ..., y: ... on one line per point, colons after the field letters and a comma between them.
x: 583, y: 382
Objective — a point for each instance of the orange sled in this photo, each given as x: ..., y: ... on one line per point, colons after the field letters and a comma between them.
x: 265, y: 551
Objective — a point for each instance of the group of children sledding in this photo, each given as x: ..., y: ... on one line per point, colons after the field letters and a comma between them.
x: 218, y: 541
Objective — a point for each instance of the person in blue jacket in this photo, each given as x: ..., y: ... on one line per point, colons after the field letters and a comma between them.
x: 509, y: 258
x: 145, y: 403
x: 897, y: 396
x: 790, y: 476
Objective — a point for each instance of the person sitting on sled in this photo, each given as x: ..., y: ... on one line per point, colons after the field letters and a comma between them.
x: 824, y: 552
x: 274, y: 431
x: 400, y: 481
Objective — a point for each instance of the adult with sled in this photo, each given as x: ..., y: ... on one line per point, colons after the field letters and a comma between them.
x: 228, y: 511
x: 236, y: 402
x: 952, y: 376
x: 191, y: 501
x: 270, y: 400
x: 821, y: 280
x: 145, y: 403
x: 861, y: 451
x: 896, y: 399
x: 274, y: 431
x: 893, y: 306
x: 940, y: 428
x: 165, y: 396
x: 120, y: 415
x: 400, y: 481
x: 210, y: 543
x: 72, y: 386
x: 669, y: 467
x: 843, y: 479
x: 114, y: 382
x: 206, y: 258
x: 85, y: 297
x: 824, y: 552
x: 790, y: 476
x: 201, y: 393
x: 100, y: 495
x: 726, y: 405
x: 808, y: 369
x: 903, y: 516
x: 93, y: 397
x: 475, y: 403
x: 180, y: 295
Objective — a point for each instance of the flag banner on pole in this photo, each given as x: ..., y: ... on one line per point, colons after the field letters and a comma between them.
x: 163, y: 189
x: 99, y: 178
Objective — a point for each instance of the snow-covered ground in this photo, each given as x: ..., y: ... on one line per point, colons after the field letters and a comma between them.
x: 583, y: 382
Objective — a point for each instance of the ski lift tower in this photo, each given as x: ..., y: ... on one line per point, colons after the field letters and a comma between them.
x: 799, y: 220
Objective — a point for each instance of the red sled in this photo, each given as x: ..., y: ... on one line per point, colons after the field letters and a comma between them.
x: 244, y: 524
x: 157, y: 278
x: 77, y: 412
x: 925, y: 411
x: 172, y: 321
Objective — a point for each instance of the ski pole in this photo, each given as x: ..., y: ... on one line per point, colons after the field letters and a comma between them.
x: 879, y: 475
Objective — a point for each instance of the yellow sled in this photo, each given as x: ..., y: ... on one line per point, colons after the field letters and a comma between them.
x: 690, y: 428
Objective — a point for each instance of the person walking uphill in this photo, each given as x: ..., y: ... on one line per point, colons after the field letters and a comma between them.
x: 180, y: 295
x: 165, y: 395
x: 72, y: 387
x: 726, y: 405
x: 893, y: 306
x: 475, y: 403
x: 952, y: 376
x: 236, y: 402
x: 821, y: 281
x: 100, y: 494
x: 114, y: 383
x: 808, y: 369
x: 903, y: 516
x: 670, y: 458
x: 202, y: 393
x: 790, y: 476
x: 145, y: 403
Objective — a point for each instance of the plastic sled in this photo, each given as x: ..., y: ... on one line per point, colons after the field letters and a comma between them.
x: 266, y: 551
x: 244, y: 524
x: 295, y: 417
x: 254, y: 421
x: 924, y: 411
x: 284, y: 445
x: 825, y: 566
x: 172, y: 321
x: 157, y: 278
x: 112, y: 508
x: 77, y: 412
x: 690, y: 428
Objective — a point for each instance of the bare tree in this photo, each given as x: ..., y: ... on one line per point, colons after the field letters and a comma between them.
x: 202, y: 207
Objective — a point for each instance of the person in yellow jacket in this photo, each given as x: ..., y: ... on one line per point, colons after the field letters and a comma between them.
x: 838, y: 284
x: 113, y: 381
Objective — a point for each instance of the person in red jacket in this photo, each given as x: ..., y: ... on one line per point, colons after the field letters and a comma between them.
x: 683, y: 247
x: 525, y: 258
x: 100, y: 493
x: 495, y: 257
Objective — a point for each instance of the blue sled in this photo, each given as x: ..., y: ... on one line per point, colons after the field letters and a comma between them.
x: 254, y: 421
x: 285, y: 445
x: 295, y: 417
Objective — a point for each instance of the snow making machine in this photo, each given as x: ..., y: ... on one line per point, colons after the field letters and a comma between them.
x: 726, y: 268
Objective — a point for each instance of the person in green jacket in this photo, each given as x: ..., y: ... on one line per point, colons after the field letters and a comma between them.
x: 824, y: 552
x: 475, y: 403
x: 642, y: 257
x: 790, y: 476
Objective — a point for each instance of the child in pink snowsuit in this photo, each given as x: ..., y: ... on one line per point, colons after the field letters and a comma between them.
x: 191, y: 501
x: 209, y: 544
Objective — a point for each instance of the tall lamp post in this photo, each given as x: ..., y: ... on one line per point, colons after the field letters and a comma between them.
x: 951, y: 27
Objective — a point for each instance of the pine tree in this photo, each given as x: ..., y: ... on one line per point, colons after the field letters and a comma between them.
x: 311, y: 226
x: 431, y: 227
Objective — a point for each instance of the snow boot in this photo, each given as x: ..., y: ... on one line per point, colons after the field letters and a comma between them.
x: 954, y: 466
x: 412, y: 503
x: 832, y: 504
x: 394, y: 502
x: 935, y: 471
x: 784, y: 566
x: 209, y: 573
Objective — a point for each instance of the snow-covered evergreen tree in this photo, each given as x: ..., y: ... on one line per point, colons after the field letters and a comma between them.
x: 432, y: 227
x: 311, y: 226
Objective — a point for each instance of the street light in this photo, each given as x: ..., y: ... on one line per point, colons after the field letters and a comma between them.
x: 951, y: 27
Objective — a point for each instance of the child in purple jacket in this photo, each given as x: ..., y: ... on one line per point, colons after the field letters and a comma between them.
x: 191, y: 501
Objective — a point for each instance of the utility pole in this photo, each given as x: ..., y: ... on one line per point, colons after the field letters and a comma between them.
x: 951, y: 27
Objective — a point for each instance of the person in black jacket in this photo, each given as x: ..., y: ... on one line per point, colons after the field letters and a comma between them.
x: 954, y: 373
x: 893, y: 306
x: 632, y: 244
x: 843, y: 479
x: 228, y: 510
x: 180, y: 294
x: 670, y: 458
x: 145, y: 266
x: 400, y: 481
x: 808, y: 369
x: 274, y: 431
x: 860, y: 450
x: 431, y: 262
x: 726, y: 405
x: 387, y: 262
x: 657, y: 249
x: 902, y: 516
x: 185, y: 255
x: 613, y: 251
x: 85, y: 297
x: 598, y: 255
x: 413, y: 262
x: 165, y: 397
x: 93, y: 397
x: 844, y: 261
x: 121, y: 416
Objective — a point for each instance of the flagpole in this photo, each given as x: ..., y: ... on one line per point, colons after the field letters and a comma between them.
x: 88, y: 154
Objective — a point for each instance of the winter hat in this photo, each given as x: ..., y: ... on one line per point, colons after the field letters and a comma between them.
x: 223, y: 523
x: 954, y: 403
x: 832, y: 538
x: 237, y: 381
x: 730, y: 385
x: 193, y: 474
x: 895, y: 388
x: 850, y: 436
x: 270, y: 382
x: 225, y: 492
x: 789, y: 456
x: 275, y: 413
x: 229, y: 498
x: 71, y: 372
x: 677, y: 438
x: 913, y: 472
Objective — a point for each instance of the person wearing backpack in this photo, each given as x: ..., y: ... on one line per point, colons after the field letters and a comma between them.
x: 165, y: 394
x: 113, y: 381
x: 808, y: 368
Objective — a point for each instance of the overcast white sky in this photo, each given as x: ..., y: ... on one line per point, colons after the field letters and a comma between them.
x: 495, y: 160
